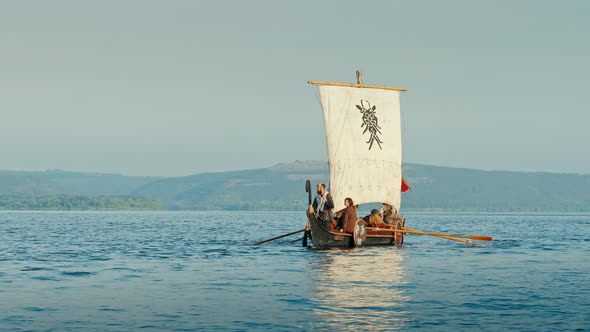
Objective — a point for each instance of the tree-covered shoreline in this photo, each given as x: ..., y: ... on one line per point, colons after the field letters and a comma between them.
x: 76, y: 202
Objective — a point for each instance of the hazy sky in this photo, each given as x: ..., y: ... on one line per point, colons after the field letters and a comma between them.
x: 182, y: 87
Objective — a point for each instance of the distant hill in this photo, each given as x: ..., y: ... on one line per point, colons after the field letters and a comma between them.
x: 459, y: 189
x: 434, y: 188
x: 281, y: 187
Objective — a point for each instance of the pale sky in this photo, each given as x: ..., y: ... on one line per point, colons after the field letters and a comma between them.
x: 181, y: 87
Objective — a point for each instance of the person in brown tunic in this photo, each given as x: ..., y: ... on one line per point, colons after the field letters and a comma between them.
x: 347, y: 218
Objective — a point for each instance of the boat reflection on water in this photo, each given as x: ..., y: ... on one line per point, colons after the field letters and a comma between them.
x: 359, y: 289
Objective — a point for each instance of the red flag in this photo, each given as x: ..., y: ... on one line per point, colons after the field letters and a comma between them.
x: 405, y: 186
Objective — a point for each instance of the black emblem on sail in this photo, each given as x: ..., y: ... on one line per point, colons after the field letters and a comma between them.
x: 370, y: 122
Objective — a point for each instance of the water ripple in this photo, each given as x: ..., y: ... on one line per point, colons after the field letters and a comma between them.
x: 187, y: 271
x: 77, y: 273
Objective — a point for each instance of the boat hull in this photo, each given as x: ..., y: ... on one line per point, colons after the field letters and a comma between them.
x: 323, y: 237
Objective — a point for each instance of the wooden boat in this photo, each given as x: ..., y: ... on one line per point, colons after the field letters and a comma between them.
x: 363, y: 136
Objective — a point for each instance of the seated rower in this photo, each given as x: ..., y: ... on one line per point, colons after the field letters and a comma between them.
x: 374, y: 220
x: 389, y: 213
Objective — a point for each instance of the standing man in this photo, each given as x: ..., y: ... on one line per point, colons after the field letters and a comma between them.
x: 323, y: 203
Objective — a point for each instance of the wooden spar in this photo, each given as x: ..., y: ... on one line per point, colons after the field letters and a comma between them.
x: 359, y: 84
x: 366, y: 86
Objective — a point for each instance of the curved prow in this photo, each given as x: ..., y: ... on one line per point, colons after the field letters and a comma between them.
x: 307, y: 227
x: 308, y: 190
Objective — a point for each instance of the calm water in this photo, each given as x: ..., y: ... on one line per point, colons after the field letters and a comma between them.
x: 186, y: 271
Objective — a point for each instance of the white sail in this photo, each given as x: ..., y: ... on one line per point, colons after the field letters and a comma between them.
x: 363, y: 133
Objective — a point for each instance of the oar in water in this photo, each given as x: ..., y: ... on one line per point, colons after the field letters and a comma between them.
x: 471, y: 243
x: 472, y: 237
x: 299, y: 239
x: 280, y: 236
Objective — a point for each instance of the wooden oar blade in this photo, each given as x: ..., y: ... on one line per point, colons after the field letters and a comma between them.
x: 474, y: 237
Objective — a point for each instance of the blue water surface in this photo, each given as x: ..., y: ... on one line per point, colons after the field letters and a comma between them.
x: 199, y: 271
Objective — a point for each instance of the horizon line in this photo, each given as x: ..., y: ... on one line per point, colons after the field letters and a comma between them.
x: 99, y: 173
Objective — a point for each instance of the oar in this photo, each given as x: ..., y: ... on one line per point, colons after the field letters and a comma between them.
x: 280, y: 236
x: 472, y: 237
x: 442, y: 236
